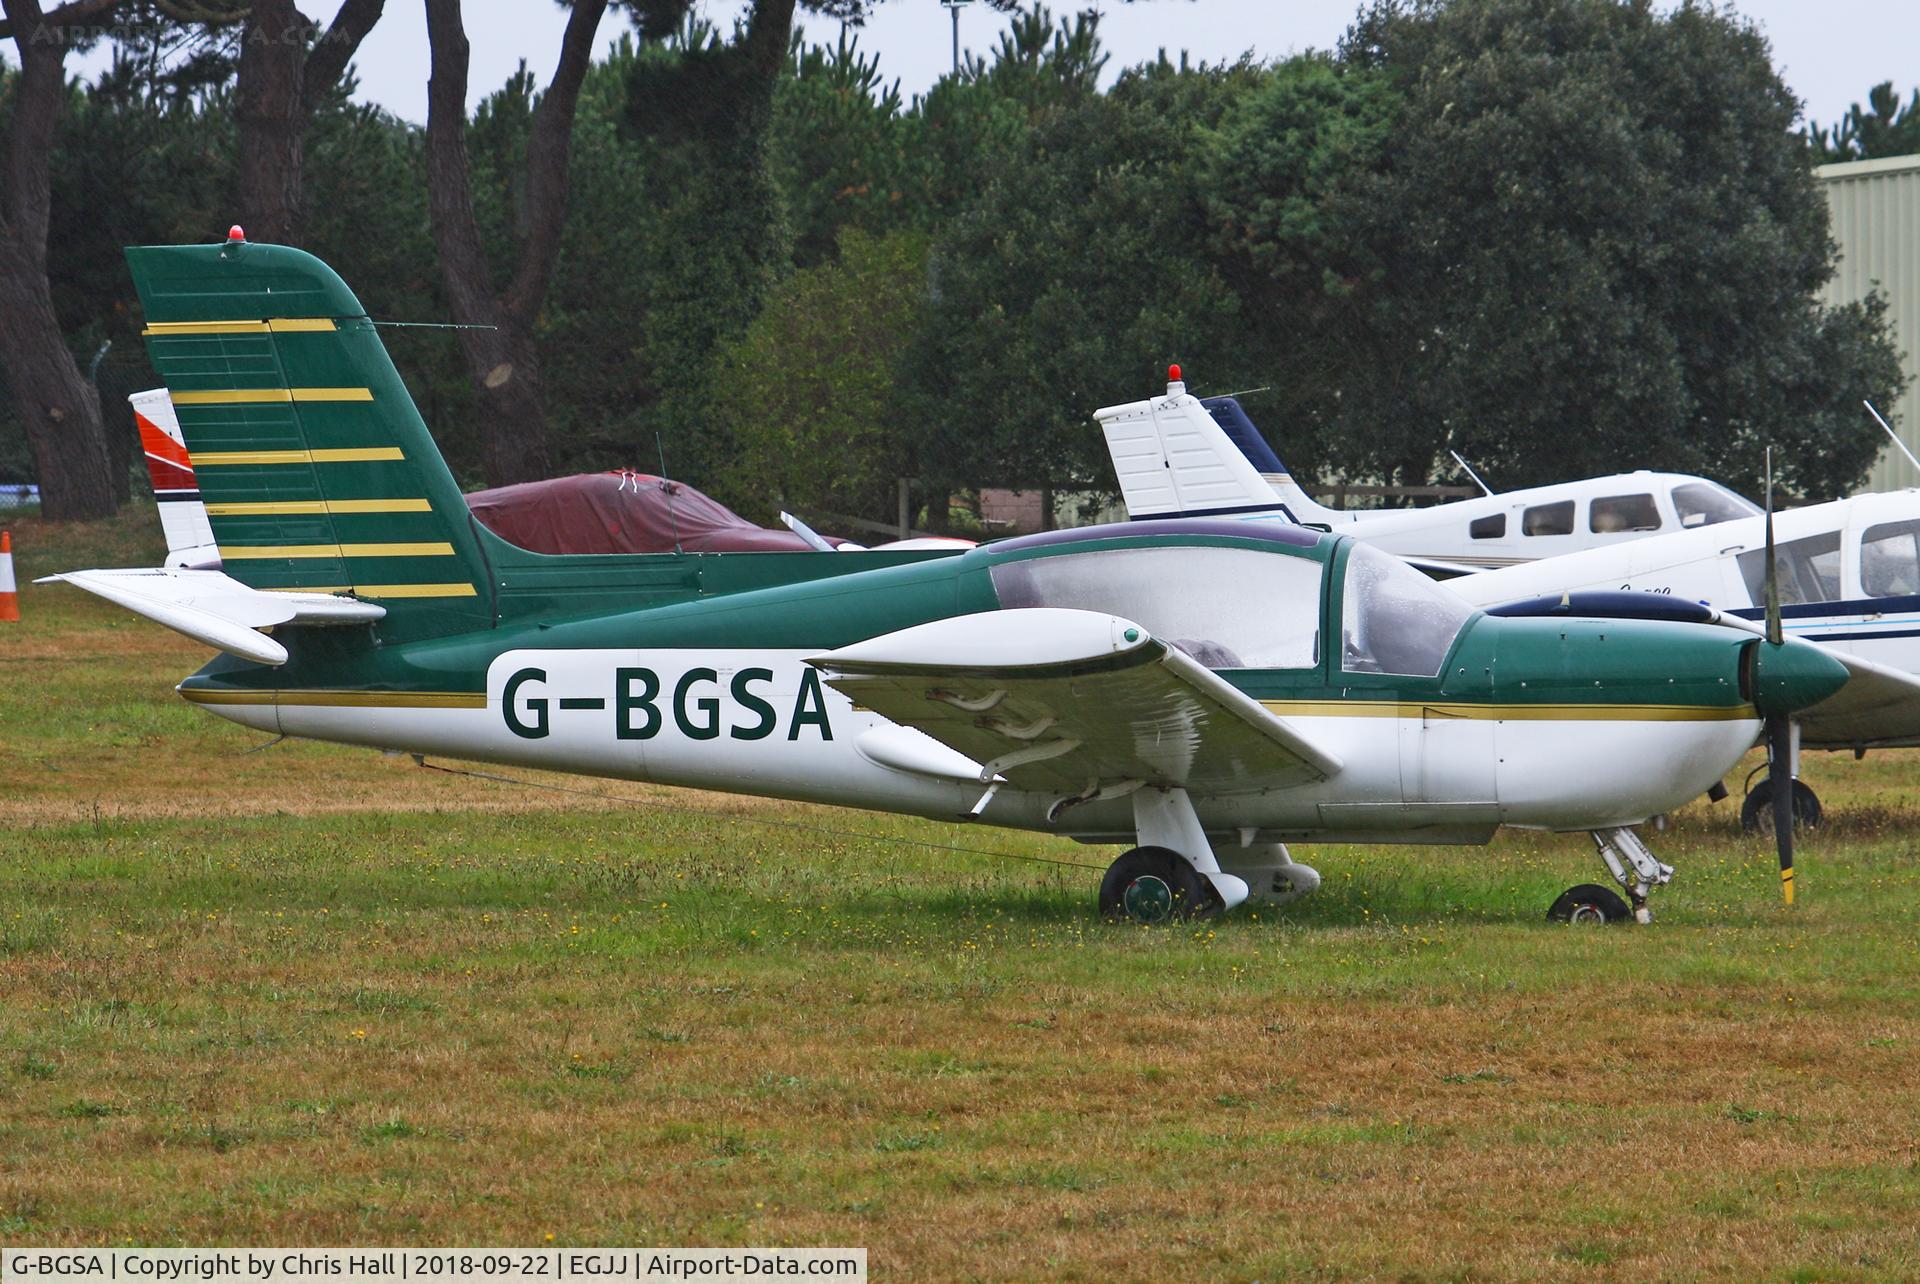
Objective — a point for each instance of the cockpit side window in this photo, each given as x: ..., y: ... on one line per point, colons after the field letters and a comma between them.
x: 1809, y: 570
x: 1890, y: 560
x: 1623, y: 513
x: 1396, y: 620
x: 1705, y: 504
x: 1228, y: 608
x: 1548, y: 519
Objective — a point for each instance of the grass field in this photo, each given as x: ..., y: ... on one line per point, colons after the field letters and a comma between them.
x: 312, y: 995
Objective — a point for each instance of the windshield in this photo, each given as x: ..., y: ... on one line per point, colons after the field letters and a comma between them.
x: 1397, y: 620
x: 1228, y: 608
x: 1704, y: 503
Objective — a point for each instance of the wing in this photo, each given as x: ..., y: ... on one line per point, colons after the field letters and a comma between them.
x: 1069, y: 702
x: 1879, y: 707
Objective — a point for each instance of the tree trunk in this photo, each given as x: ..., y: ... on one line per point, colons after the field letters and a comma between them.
x: 506, y: 374
x: 58, y: 408
x: 503, y: 360
x: 268, y: 108
x: 281, y: 83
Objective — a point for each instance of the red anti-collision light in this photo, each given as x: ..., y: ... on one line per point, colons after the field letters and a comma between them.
x: 1173, y: 374
x: 235, y: 234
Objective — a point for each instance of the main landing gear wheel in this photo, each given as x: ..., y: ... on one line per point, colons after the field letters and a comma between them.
x: 1155, y: 885
x: 1590, y: 903
x: 1756, y: 813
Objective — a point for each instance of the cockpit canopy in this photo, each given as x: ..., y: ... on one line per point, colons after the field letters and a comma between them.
x: 1251, y: 608
x: 1229, y: 608
x: 1397, y: 620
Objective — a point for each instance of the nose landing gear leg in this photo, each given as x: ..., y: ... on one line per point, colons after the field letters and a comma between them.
x: 1633, y: 867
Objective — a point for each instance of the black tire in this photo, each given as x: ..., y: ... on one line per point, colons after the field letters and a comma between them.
x: 1756, y: 813
x: 1153, y: 886
x: 1580, y: 904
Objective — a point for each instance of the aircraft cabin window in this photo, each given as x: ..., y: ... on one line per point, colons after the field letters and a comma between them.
x: 1548, y: 519
x: 1397, y: 620
x: 1705, y: 504
x: 1228, y: 608
x: 1809, y: 570
x: 1623, y: 513
x: 1494, y: 527
x: 1890, y: 560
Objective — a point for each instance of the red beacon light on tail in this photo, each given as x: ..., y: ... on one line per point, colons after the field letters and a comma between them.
x: 1175, y: 385
x: 235, y: 235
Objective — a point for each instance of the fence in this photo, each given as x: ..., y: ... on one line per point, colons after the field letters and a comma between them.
x: 15, y: 497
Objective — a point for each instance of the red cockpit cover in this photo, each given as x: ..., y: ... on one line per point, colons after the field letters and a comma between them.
x: 621, y: 513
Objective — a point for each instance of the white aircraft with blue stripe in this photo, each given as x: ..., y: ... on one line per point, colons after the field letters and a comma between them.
x: 1849, y: 570
x: 1186, y: 456
x: 1849, y: 579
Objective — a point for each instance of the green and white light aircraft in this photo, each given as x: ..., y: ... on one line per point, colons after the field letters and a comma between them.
x: 1204, y: 692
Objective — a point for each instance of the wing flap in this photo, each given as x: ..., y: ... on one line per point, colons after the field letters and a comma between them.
x: 1068, y: 702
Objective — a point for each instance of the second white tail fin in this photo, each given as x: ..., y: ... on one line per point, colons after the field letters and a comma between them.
x: 183, y: 516
x: 1179, y: 456
x: 1239, y: 432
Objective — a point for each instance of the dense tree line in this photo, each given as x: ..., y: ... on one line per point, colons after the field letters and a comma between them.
x: 1563, y: 237
x: 1884, y: 127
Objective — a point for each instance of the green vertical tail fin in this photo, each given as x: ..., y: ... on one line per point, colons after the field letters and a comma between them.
x: 317, y: 471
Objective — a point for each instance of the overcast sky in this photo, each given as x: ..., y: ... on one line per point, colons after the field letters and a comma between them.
x: 1831, y: 51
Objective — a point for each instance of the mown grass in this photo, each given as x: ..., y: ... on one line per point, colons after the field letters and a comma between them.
x: 313, y: 995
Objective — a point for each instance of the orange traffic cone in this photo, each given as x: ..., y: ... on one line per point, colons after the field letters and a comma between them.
x: 9, y: 599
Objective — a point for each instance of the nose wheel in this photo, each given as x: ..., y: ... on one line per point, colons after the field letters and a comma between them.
x: 1153, y: 886
x: 1590, y: 904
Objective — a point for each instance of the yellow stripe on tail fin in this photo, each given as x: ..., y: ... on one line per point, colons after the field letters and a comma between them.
x: 317, y: 471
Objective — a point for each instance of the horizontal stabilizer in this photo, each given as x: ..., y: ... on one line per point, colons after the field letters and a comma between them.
x: 214, y: 608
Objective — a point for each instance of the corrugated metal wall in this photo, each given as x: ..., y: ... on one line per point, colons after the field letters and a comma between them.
x: 1876, y: 220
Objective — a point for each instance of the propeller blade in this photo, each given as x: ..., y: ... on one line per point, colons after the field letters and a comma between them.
x: 1780, y: 783
x: 1774, y: 632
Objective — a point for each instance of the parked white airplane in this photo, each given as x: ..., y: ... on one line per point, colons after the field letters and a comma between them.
x: 1849, y: 579
x: 1184, y: 456
x: 1849, y: 570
